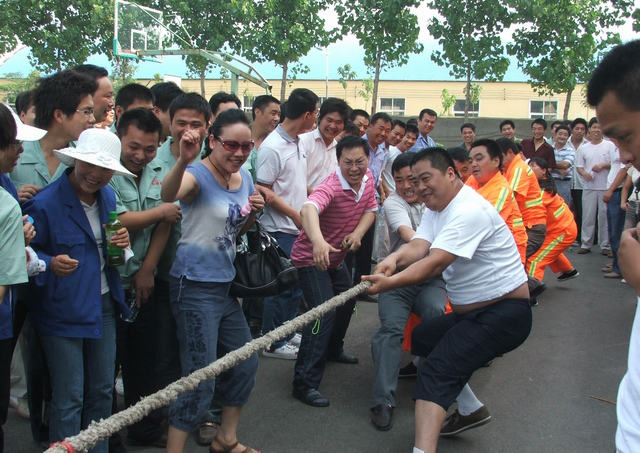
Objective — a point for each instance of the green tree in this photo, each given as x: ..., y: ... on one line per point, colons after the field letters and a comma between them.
x: 386, y: 29
x: 366, y: 91
x: 124, y: 70
x: 448, y: 101
x: 283, y: 31
x: 636, y: 20
x: 469, y: 33
x: 346, y: 75
x: 60, y: 33
x: 558, y: 42
x: 17, y: 83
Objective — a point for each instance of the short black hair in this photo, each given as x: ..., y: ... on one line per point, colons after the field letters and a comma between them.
x: 351, y: 129
x: 93, y: 71
x: 403, y: 160
x: 399, y: 123
x: 61, y: 91
x: 412, y: 121
x: 133, y: 92
x: 300, y: 101
x: 577, y: 121
x: 459, y: 153
x: 222, y: 97
x: 192, y: 101
x: 507, y: 122
x: 349, y: 142
x: 140, y: 118
x: 619, y: 71
x: 380, y: 116
x: 165, y: 93
x: 547, y: 184
x: 493, y: 149
x: 593, y: 121
x: 262, y: 102
x: 554, y: 123
x: 542, y: 122
x: 331, y: 105
x: 358, y: 112
x: 429, y: 112
x: 225, y: 118
x: 505, y: 145
x: 469, y: 125
x: 24, y: 101
x: 564, y: 128
x: 8, y: 127
x: 411, y: 128
x: 439, y: 158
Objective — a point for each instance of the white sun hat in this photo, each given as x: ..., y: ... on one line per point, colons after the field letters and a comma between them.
x: 25, y: 132
x: 97, y: 147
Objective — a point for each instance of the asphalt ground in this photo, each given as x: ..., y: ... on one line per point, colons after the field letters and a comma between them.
x: 556, y: 392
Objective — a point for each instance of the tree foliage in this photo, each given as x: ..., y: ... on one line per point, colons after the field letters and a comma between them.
x: 17, y: 83
x: 448, y: 101
x: 346, y: 75
x: 386, y: 29
x: 283, y: 31
x: 469, y: 33
x: 558, y: 42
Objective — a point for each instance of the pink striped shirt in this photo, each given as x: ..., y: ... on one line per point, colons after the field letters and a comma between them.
x: 340, y: 210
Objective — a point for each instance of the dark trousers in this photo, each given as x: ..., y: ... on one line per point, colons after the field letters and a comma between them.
x: 6, y: 351
x: 615, y: 222
x: 361, y: 259
x: 576, y: 199
x: 455, y: 346
x: 150, y: 358
x: 325, y: 336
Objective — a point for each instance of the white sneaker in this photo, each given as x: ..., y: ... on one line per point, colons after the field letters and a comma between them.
x: 287, y: 352
x: 296, y: 340
x: 623, y: 281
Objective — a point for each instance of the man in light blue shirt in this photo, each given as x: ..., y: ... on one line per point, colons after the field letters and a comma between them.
x: 426, y: 123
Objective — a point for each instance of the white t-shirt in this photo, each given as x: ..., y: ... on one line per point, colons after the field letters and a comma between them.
x: 282, y: 165
x: 488, y: 264
x: 321, y: 159
x: 93, y: 214
x: 387, y: 174
x: 628, y: 406
x: 616, y: 165
x: 399, y: 213
x: 591, y: 155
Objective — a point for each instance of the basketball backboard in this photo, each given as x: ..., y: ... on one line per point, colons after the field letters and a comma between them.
x: 137, y: 28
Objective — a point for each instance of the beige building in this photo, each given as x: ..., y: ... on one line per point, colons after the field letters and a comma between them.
x: 407, y: 98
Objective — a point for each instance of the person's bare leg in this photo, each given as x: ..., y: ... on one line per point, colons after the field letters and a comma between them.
x: 176, y: 440
x: 429, y: 419
x: 227, y: 433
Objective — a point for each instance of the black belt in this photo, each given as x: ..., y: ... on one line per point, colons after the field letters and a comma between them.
x: 563, y: 179
x: 619, y: 189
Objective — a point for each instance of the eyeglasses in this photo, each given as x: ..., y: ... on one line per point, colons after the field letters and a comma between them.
x: 232, y: 145
x: 17, y: 147
x: 360, y: 164
x: 88, y: 112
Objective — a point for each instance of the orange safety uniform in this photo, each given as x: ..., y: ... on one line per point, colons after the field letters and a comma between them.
x: 497, y: 192
x: 527, y: 192
x: 561, y: 232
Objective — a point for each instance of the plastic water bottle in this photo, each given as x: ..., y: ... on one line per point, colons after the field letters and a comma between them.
x: 131, y: 302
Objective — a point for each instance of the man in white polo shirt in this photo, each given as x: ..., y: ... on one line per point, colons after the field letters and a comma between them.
x: 282, y: 168
x: 463, y: 237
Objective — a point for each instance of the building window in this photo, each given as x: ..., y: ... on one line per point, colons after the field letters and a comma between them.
x: 247, y: 102
x: 543, y: 109
x: 321, y: 99
x: 392, y: 106
x: 458, y: 108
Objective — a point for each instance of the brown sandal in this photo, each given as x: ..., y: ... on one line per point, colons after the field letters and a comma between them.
x: 229, y: 448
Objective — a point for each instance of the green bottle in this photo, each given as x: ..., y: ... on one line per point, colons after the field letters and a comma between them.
x: 115, y: 255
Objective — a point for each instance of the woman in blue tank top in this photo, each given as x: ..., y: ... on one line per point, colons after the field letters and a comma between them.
x: 218, y: 203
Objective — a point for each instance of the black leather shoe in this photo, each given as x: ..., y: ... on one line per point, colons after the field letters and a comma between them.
x: 343, y: 357
x: 382, y: 417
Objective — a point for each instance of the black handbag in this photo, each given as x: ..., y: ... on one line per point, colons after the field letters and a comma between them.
x: 262, y: 266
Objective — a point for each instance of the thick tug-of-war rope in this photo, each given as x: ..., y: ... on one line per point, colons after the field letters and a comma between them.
x: 98, y: 431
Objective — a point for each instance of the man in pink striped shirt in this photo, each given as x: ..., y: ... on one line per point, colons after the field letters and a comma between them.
x: 334, y: 218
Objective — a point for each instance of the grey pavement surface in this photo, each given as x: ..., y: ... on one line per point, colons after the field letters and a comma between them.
x: 542, y: 396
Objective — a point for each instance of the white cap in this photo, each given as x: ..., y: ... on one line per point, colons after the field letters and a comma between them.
x: 97, y: 147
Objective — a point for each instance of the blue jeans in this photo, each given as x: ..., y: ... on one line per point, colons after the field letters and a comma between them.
x: 615, y: 223
x: 81, y: 372
x: 210, y: 324
x: 283, y: 307
x: 394, y: 307
x: 317, y: 338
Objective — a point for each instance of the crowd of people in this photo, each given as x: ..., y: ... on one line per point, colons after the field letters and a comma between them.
x: 469, y: 233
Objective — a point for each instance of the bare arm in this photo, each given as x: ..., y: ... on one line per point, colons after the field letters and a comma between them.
x: 139, y: 220
x: 622, y: 173
x: 406, y: 233
x: 143, y: 280
x: 311, y: 225
x: 624, y: 196
x: 281, y: 206
x: 563, y: 165
x: 178, y: 185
